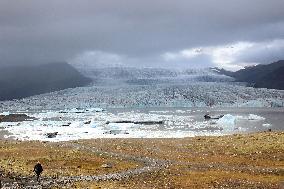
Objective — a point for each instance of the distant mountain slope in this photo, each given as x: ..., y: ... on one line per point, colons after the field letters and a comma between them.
x: 127, y: 72
x: 274, y: 79
x: 23, y: 81
x: 261, y: 76
x: 149, y: 76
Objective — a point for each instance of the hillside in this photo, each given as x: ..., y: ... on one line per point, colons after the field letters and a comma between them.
x: 269, y: 76
x: 22, y: 81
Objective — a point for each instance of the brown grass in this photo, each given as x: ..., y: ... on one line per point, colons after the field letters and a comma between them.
x: 240, y: 161
x: 237, y: 161
x: 20, y: 157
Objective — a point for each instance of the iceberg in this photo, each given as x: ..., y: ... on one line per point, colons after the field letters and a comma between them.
x: 227, y: 122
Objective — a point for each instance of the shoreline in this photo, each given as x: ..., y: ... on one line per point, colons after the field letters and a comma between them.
x: 3, y: 133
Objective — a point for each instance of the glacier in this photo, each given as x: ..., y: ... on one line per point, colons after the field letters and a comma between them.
x: 200, y: 94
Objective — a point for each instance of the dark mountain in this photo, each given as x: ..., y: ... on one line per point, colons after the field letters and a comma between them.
x: 22, y: 81
x: 273, y: 80
x: 261, y: 76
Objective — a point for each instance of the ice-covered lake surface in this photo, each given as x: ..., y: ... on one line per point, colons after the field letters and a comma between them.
x: 73, y: 124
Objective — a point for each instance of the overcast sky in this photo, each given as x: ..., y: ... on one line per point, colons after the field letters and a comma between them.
x: 166, y: 33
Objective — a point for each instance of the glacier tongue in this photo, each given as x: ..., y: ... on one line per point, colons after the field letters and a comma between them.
x: 198, y: 94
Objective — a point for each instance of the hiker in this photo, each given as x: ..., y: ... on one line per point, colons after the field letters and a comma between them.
x: 38, y: 170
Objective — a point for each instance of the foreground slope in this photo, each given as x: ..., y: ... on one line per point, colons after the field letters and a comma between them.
x: 23, y: 81
x: 238, y: 161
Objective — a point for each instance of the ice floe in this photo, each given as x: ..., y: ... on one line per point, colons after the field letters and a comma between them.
x: 255, y: 117
x: 5, y: 113
x: 266, y: 125
x: 97, y: 123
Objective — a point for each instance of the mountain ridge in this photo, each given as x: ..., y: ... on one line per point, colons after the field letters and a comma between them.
x: 23, y: 81
x: 269, y: 76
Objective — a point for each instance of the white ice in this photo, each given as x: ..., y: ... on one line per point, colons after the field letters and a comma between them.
x: 5, y: 113
x: 102, y: 124
x: 227, y: 122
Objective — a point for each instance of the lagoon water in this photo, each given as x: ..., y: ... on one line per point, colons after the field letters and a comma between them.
x: 120, y: 123
x: 273, y: 116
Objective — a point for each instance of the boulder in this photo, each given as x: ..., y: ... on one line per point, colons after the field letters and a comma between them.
x: 106, y: 165
x: 51, y: 135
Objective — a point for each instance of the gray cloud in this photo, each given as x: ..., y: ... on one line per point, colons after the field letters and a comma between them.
x: 231, y: 56
x: 139, y: 31
x: 263, y: 52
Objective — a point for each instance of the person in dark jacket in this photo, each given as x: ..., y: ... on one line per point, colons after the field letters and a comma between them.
x: 38, y: 170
